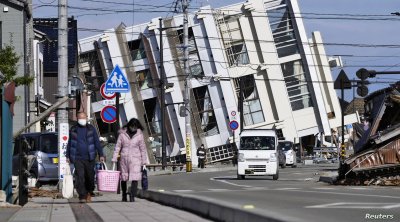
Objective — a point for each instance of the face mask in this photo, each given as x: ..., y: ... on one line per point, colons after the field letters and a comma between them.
x: 132, y: 129
x: 82, y: 122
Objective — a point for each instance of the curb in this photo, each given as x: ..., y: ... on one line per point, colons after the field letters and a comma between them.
x: 208, y: 208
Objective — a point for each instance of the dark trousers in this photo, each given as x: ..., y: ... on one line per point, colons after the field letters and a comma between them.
x: 84, y: 177
x: 133, y: 191
x: 202, y: 162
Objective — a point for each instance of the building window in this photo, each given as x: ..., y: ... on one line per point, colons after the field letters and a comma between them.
x: 282, y: 30
x: 194, y: 59
x: 137, y: 49
x: 93, y: 73
x: 205, y: 111
x: 296, y: 85
x: 252, y: 110
x: 152, y: 118
x: 1, y: 36
x: 143, y: 78
x: 279, y: 134
x: 232, y: 38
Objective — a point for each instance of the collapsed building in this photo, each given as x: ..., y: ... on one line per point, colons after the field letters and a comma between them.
x: 377, y: 153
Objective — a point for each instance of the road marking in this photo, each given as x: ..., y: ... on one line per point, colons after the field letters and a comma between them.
x: 227, y: 182
x: 324, y: 188
x: 248, y: 207
x: 348, y: 194
x: 358, y: 188
x: 218, y: 190
x: 183, y: 191
x: 356, y: 205
x: 255, y: 188
x: 287, y: 188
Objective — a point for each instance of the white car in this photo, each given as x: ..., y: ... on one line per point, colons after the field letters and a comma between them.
x: 289, y: 151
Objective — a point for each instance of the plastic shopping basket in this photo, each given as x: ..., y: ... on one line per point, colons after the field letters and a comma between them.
x: 107, y: 180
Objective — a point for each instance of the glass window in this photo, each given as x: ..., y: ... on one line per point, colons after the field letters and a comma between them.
x: 257, y: 143
x: 152, y: 117
x: 206, y: 111
x: 143, y: 78
x: 252, y: 110
x: 282, y: 30
x: 137, y: 49
x: 296, y: 85
x: 49, y: 143
x: 286, y: 145
x: 232, y: 37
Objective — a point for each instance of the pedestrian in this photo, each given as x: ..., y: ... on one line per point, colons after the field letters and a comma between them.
x: 235, y: 156
x: 83, y: 144
x: 132, y: 152
x: 201, y: 154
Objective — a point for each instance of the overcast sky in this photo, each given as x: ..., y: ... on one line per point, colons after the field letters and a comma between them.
x: 367, y: 23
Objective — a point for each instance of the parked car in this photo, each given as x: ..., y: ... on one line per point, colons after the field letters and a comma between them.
x: 289, y: 151
x: 44, y: 148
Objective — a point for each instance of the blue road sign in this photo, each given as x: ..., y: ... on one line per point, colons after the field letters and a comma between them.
x: 109, y: 114
x: 117, y: 82
x: 233, y: 125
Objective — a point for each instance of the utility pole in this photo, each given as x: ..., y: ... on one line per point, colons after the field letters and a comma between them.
x: 162, y: 105
x: 188, y: 84
x: 62, y: 114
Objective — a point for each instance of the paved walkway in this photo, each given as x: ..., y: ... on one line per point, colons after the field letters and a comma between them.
x: 107, y: 207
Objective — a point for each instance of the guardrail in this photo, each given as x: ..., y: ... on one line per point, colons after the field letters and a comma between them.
x: 173, y: 165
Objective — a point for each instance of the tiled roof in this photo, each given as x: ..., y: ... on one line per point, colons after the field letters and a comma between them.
x: 356, y: 105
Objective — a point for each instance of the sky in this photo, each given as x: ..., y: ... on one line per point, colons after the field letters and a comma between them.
x: 363, y: 32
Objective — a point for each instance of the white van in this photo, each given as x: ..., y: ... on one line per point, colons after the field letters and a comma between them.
x: 258, y: 154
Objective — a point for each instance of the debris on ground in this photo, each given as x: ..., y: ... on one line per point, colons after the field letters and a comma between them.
x: 37, y: 192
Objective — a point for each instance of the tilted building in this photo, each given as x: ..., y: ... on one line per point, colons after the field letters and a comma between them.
x: 287, y: 82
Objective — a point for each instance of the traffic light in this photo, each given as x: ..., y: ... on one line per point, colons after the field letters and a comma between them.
x: 363, y: 74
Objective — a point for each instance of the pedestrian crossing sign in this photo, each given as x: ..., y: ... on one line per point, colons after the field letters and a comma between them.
x: 117, y: 82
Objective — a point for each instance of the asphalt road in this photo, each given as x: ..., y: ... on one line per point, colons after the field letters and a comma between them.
x: 296, y: 196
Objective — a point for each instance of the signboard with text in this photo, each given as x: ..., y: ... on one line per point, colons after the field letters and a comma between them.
x: 63, y: 137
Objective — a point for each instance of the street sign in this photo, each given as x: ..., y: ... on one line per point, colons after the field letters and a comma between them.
x: 338, y: 82
x: 109, y: 114
x: 117, y: 82
x: 234, y: 125
x: 63, y: 137
x: 233, y: 113
x: 108, y: 102
x: 106, y: 95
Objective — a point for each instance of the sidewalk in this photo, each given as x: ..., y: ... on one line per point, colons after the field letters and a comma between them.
x: 107, y: 207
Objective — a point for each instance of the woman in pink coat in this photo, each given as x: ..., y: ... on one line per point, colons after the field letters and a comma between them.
x: 133, y: 156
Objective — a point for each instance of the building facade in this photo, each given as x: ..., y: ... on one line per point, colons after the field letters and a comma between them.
x: 286, y: 80
x: 15, y: 17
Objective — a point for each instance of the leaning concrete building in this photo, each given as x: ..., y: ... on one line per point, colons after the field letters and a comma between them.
x: 287, y: 82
